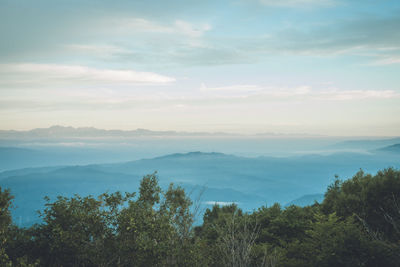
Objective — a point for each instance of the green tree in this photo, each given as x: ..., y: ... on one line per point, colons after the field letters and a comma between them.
x: 5, y: 223
x: 79, y: 231
x: 374, y: 200
x: 156, y: 230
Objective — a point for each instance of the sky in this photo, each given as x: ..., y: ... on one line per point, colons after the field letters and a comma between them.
x: 329, y: 67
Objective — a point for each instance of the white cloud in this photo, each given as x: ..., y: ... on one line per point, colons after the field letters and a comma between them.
x: 303, y: 92
x: 232, y: 88
x: 356, y: 94
x: 306, y: 92
x: 104, y: 50
x: 386, y: 61
x: 189, y: 29
x: 74, y: 74
x: 298, y: 3
x: 256, y: 90
x: 139, y: 24
x: 178, y: 27
x: 288, y: 92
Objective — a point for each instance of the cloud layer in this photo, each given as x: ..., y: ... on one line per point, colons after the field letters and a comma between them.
x: 300, y: 63
x: 42, y: 74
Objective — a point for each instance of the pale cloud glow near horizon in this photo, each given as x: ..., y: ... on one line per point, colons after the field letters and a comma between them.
x: 329, y: 67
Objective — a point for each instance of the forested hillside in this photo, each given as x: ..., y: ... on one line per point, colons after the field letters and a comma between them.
x: 357, y: 224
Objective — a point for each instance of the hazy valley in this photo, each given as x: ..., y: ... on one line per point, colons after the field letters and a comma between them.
x: 244, y: 170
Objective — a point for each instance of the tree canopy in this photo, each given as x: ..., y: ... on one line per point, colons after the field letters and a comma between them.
x: 357, y: 224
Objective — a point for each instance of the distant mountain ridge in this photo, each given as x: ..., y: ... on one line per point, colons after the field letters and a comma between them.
x: 372, y: 143
x: 194, y: 155
x: 58, y: 131
x: 91, y: 132
x: 392, y: 148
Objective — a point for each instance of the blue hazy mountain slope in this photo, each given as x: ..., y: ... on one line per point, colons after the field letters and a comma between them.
x: 306, y: 200
x: 368, y: 144
x: 58, y: 145
x: 310, y: 173
x: 61, y: 154
x: 251, y: 182
x: 13, y: 158
x: 29, y: 189
x: 392, y: 148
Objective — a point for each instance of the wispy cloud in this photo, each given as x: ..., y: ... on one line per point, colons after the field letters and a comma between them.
x: 386, y: 61
x: 306, y: 92
x: 261, y: 93
x: 98, y: 49
x: 299, y: 3
x: 190, y: 30
x: 356, y: 94
x: 184, y: 43
x: 366, y: 34
x: 178, y: 27
x: 232, y: 88
x: 174, y: 34
x: 41, y: 74
x: 145, y: 41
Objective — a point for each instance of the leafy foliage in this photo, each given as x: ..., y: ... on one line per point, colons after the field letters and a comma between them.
x: 357, y: 225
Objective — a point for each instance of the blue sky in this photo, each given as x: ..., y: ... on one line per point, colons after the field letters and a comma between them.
x: 293, y: 66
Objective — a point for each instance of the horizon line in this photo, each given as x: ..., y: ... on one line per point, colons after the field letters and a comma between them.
x: 237, y: 134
